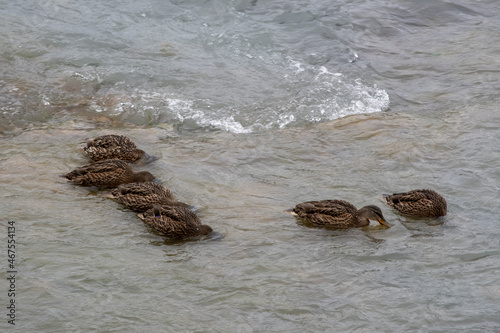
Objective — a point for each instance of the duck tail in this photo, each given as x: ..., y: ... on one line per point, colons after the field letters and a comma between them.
x: 109, y: 195
x: 385, y: 197
x: 64, y: 176
x: 148, y: 158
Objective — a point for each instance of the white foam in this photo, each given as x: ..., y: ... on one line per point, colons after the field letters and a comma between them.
x: 308, y: 94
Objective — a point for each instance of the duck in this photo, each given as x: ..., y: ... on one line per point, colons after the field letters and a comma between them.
x: 338, y: 214
x: 107, y: 173
x: 420, y: 203
x: 175, y: 221
x: 142, y: 196
x: 112, y: 146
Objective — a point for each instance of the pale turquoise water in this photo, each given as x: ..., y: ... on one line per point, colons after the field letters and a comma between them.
x: 252, y: 107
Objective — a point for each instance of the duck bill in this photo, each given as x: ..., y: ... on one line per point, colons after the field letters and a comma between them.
x: 384, y: 223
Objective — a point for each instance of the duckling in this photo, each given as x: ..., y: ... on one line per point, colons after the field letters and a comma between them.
x: 142, y: 196
x: 112, y: 147
x: 175, y: 221
x: 338, y: 214
x: 422, y: 203
x: 108, y: 173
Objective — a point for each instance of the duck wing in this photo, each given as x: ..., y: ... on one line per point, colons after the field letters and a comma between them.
x: 145, y: 189
x: 336, y: 213
x: 112, y: 146
x: 100, y: 173
x: 173, y: 221
x: 142, y: 196
x: 425, y: 203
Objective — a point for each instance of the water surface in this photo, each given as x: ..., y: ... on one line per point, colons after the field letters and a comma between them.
x: 252, y: 107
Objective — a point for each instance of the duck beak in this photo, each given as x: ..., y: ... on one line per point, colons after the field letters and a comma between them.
x: 384, y: 223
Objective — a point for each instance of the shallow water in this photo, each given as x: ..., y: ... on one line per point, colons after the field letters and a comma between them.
x: 251, y: 108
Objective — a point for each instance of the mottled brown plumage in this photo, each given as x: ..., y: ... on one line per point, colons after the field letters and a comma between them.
x: 108, y: 173
x: 175, y: 221
x: 142, y: 196
x: 112, y: 147
x: 338, y: 214
x: 422, y: 203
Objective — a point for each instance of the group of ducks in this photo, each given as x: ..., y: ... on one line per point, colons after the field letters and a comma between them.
x: 156, y: 206
x: 342, y: 214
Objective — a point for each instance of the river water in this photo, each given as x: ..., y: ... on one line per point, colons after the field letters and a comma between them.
x: 252, y: 107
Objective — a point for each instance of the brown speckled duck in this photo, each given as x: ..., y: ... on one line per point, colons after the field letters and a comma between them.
x: 422, y: 203
x: 338, y: 214
x: 175, y: 221
x: 109, y: 173
x: 142, y: 196
x: 112, y: 147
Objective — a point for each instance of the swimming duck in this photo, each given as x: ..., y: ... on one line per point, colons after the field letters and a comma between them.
x: 175, y: 221
x: 141, y: 196
x: 108, y: 173
x: 112, y: 147
x: 422, y: 203
x: 338, y: 214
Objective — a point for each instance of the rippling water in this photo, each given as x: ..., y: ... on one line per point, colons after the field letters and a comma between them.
x: 252, y: 107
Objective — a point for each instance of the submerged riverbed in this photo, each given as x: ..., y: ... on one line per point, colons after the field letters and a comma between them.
x: 252, y: 108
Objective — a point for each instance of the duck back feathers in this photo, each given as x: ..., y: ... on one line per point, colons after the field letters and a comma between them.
x: 112, y: 147
x: 108, y: 173
x: 337, y: 213
x: 142, y: 196
x: 422, y: 203
x: 175, y: 221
